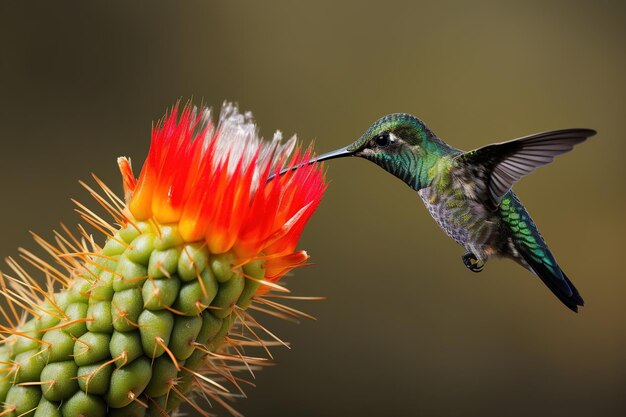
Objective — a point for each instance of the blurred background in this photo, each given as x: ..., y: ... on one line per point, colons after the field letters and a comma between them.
x: 406, y: 329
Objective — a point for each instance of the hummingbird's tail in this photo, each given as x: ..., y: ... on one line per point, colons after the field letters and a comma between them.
x: 530, y: 250
x: 554, y: 278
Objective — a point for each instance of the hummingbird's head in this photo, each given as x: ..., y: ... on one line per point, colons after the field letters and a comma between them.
x: 391, y: 136
x: 393, y: 142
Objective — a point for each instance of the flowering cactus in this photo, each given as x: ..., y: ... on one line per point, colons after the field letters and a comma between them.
x: 133, y: 327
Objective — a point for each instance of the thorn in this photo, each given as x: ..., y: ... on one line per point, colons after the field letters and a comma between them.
x: 11, y: 306
x: 272, y: 335
x: 112, y: 196
x: 161, y: 343
x: 274, y: 314
x: 115, y: 212
x: 285, y: 309
x: 134, y: 397
x: 253, y: 333
x: 204, y: 378
x: 69, y: 323
x: 191, y: 403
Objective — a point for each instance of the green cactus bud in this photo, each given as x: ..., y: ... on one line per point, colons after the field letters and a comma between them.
x: 22, y: 401
x: 160, y: 293
x: 61, y: 378
x: 95, y: 379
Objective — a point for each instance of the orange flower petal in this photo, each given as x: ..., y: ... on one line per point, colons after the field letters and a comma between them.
x: 212, y: 181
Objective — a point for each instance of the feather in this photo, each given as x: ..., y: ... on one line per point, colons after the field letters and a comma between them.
x: 503, y: 164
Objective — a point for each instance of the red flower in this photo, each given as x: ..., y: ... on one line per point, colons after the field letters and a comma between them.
x: 213, y: 182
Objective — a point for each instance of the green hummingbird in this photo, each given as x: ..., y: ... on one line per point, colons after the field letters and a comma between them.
x: 469, y: 193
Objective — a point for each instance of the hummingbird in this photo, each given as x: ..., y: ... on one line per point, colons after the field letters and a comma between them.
x: 469, y: 193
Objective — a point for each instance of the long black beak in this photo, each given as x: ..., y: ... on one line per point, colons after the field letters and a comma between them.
x: 339, y: 153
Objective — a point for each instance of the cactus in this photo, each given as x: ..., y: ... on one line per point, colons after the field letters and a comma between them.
x: 161, y: 310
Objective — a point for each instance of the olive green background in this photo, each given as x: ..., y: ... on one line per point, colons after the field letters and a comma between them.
x: 406, y: 329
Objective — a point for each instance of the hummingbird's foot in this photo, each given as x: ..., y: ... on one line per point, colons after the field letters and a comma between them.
x: 472, y: 263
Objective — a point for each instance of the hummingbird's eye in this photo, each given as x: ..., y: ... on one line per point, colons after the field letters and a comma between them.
x: 383, y: 139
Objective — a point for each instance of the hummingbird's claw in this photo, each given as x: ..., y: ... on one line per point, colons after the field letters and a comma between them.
x: 472, y: 263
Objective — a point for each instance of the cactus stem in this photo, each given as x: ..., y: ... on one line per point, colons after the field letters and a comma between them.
x: 157, y: 243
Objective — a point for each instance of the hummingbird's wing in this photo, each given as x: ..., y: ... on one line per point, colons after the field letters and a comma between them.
x: 495, y: 168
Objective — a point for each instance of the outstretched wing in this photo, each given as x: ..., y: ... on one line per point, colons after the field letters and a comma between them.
x: 497, y: 167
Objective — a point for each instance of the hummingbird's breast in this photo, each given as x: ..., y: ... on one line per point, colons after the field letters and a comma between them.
x: 462, y: 218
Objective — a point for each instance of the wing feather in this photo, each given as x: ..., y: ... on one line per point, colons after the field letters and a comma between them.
x: 503, y: 164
